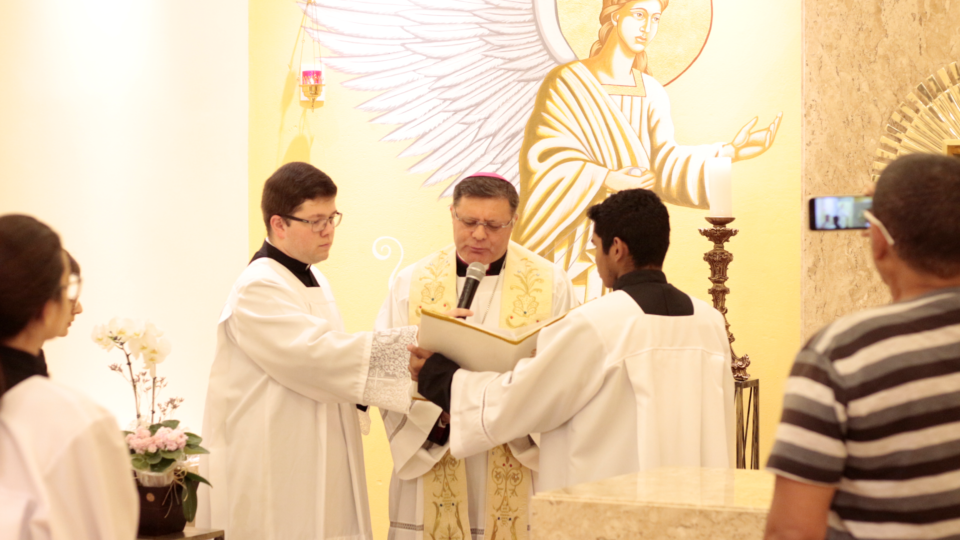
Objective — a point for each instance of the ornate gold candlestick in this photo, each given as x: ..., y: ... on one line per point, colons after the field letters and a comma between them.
x: 719, y: 258
x: 748, y: 421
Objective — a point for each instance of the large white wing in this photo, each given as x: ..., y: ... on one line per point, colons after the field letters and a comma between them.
x: 459, y: 77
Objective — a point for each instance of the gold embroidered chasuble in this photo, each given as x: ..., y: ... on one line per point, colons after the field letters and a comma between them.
x: 526, y: 297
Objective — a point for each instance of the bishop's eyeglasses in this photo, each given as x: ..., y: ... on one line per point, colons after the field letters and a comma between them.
x: 471, y: 223
x: 320, y: 224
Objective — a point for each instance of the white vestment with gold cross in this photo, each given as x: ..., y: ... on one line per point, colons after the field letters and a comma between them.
x: 507, y: 300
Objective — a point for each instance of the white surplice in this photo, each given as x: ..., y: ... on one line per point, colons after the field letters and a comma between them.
x: 286, y: 460
x: 612, y: 391
x: 413, y: 455
x: 64, y: 468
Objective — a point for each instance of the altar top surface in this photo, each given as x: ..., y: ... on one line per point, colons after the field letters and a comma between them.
x: 730, y: 489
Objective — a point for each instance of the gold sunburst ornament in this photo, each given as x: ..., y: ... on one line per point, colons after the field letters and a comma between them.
x: 928, y: 121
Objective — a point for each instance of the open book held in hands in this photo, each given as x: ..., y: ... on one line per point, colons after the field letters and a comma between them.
x: 475, y: 348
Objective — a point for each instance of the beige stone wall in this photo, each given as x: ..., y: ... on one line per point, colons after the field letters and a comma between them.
x: 861, y: 58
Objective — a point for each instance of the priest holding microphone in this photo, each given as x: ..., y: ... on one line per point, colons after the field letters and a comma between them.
x: 431, y: 490
x: 636, y: 379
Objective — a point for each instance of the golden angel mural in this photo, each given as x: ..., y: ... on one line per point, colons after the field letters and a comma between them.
x: 492, y: 85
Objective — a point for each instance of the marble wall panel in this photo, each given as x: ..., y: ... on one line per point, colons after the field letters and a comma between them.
x: 861, y: 58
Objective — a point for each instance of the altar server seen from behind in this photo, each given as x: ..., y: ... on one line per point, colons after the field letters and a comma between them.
x: 430, y: 491
x: 636, y: 379
x: 64, y: 467
x: 281, y: 419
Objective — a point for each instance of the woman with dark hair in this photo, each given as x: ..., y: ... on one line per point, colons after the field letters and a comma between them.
x: 76, y: 307
x: 64, y: 468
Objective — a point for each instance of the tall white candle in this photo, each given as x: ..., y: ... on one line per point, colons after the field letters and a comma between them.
x: 719, y: 186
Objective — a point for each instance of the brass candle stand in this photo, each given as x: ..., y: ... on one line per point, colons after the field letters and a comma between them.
x: 719, y: 259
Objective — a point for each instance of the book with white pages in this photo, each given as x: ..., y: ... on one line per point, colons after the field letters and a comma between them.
x: 475, y: 348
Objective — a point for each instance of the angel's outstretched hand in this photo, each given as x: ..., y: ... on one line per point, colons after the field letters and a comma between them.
x: 750, y: 144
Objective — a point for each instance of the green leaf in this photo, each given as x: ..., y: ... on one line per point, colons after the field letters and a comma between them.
x: 194, y: 477
x: 172, y: 455
x: 162, y: 465
x: 193, y: 439
x: 139, y: 462
x: 172, y: 424
x: 154, y: 429
x: 153, y: 458
x: 190, y: 499
x: 193, y: 450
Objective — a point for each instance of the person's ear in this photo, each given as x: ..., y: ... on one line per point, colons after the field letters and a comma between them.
x: 277, y: 226
x: 879, y: 246
x: 618, y: 250
x: 50, y: 311
x: 615, y: 18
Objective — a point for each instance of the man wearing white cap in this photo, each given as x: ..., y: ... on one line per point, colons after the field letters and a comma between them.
x: 431, y: 491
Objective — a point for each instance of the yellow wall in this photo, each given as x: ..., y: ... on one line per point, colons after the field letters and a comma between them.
x: 750, y: 66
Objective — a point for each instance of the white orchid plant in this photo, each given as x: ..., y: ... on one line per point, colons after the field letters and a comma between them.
x: 158, y: 446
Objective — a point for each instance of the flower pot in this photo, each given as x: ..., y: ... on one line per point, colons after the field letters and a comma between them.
x: 152, y: 479
x: 161, y: 510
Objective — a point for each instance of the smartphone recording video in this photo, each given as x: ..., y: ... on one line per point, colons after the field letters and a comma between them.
x: 839, y: 213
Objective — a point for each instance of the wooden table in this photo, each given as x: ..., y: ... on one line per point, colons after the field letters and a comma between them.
x: 189, y: 533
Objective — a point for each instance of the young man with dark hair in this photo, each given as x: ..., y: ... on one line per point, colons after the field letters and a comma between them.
x: 869, y: 442
x: 636, y: 379
x: 281, y: 419
x: 520, y: 288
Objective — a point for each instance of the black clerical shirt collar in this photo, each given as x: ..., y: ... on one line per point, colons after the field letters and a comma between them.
x: 299, y: 269
x: 18, y: 365
x: 650, y: 290
x: 639, y: 276
x: 492, y: 270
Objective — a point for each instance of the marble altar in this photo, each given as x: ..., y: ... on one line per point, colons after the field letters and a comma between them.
x: 656, y: 504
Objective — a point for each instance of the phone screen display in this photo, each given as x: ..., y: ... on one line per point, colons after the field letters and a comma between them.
x: 839, y: 213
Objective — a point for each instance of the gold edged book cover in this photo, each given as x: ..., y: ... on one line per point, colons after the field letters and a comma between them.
x: 475, y: 348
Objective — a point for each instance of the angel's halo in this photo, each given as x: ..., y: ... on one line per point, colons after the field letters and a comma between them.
x: 684, y: 30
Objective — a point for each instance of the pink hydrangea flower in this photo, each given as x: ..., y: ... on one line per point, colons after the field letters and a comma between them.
x: 166, y: 439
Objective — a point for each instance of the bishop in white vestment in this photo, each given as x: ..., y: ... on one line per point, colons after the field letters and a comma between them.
x: 520, y: 288
x: 636, y: 379
x: 281, y: 420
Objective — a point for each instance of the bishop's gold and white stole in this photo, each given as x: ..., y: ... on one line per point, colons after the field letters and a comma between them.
x: 445, y: 511
x: 508, y: 496
x: 526, y: 297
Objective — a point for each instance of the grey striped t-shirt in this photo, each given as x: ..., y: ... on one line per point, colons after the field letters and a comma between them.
x: 872, y: 407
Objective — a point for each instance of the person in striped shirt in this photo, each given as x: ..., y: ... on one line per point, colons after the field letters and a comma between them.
x: 869, y: 442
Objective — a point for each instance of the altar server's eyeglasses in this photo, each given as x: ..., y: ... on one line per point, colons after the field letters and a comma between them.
x: 320, y: 224
x: 876, y: 223
x: 73, y: 287
x: 472, y: 224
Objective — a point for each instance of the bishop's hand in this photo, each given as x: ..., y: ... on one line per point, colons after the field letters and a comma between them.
x: 418, y: 357
x: 750, y: 144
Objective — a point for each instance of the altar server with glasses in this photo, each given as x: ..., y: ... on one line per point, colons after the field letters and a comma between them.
x: 636, y: 379
x: 281, y: 419
x: 430, y: 490
x: 64, y: 467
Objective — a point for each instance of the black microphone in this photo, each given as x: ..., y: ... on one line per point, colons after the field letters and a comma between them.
x: 475, y: 273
